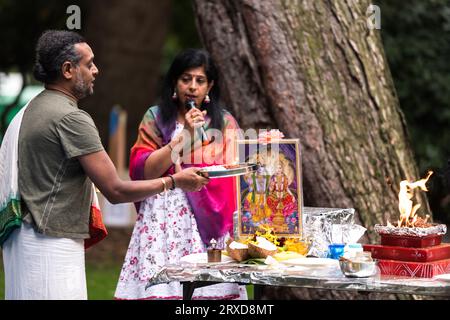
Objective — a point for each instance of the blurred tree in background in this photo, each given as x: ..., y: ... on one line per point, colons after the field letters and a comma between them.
x: 127, y: 38
x: 416, y: 37
x: 133, y: 42
x: 21, y: 23
x: 182, y: 33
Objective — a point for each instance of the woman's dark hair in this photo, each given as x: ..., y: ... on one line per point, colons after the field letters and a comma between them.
x: 188, y: 59
x: 53, y: 48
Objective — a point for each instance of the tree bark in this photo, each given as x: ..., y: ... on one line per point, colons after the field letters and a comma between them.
x: 127, y: 39
x: 315, y: 70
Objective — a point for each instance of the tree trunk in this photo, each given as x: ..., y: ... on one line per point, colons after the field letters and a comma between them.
x: 127, y: 39
x: 316, y: 71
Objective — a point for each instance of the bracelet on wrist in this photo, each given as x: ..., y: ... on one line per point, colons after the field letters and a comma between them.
x: 173, y: 182
x: 164, y: 184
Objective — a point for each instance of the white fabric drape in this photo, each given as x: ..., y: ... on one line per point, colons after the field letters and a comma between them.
x: 39, y: 267
x: 36, y: 266
x: 9, y: 154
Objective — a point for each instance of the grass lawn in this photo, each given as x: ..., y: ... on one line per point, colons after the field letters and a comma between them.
x: 101, y: 281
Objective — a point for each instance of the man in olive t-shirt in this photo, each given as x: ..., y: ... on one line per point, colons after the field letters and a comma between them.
x: 59, y: 154
x: 53, y: 186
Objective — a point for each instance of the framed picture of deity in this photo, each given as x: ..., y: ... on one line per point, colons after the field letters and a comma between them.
x: 272, y: 196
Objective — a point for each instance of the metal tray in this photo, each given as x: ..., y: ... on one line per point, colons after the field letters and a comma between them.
x: 243, y: 168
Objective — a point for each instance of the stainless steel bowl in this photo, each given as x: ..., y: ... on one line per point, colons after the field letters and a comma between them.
x: 358, y: 269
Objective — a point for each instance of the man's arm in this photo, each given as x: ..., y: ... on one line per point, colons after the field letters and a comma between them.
x: 100, y: 169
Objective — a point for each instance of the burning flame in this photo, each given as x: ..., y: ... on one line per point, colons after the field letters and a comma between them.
x: 408, y: 217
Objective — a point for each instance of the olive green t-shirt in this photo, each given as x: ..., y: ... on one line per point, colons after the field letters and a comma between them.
x: 56, y: 193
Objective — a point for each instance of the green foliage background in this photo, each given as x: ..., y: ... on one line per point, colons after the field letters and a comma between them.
x: 21, y: 23
x: 182, y: 34
x: 416, y: 37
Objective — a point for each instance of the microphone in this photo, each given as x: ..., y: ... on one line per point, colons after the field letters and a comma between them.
x: 190, y: 103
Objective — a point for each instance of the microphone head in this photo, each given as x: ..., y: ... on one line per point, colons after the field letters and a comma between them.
x: 190, y: 103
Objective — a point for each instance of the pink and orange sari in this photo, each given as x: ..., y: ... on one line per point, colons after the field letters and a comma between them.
x: 214, y: 205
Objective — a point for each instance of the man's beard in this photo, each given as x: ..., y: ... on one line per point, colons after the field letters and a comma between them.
x: 82, y: 89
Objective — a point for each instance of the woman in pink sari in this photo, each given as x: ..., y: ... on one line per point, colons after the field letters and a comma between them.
x: 178, y: 223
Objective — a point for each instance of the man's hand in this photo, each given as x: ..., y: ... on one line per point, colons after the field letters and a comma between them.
x: 190, y: 180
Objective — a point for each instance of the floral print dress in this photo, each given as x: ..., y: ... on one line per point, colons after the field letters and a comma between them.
x: 164, y: 232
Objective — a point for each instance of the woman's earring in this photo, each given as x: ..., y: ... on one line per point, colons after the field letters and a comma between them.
x: 174, y: 96
x: 207, y: 99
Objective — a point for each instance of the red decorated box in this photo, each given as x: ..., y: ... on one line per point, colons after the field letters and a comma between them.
x: 435, y: 253
x: 411, y: 241
x: 414, y: 269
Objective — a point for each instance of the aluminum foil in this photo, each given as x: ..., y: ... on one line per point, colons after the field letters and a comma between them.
x: 328, y: 225
x: 330, y: 278
x: 435, y: 229
x: 243, y: 273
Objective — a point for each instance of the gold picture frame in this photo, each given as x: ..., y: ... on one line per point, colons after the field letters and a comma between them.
x: 272, y: 196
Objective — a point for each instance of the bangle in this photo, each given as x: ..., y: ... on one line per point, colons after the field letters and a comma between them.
x: 164, y: 184
x: 173, y: 182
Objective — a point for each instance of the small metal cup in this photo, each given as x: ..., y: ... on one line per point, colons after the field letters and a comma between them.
x: 214, y: 255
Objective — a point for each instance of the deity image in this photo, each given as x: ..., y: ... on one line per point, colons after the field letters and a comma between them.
x: 268, y: 199
x: 255, y: 200
x: 282, y: 201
